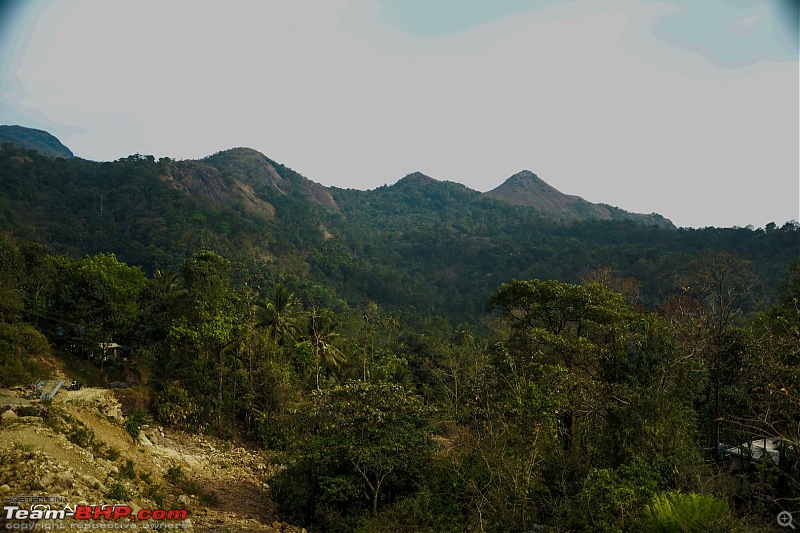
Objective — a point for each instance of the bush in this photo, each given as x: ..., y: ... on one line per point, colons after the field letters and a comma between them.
x: 134, y: 421
x: 18, y: 343
x: 210, y: 499
x: 153, y: 491
x: 127, y: 470
x: 112, y: 453
x: 175, y: 408
x: 675, y: 512
x: 117, y: 492
x: 82, y: 437
x: 175, y: 475
x: 613, y: 499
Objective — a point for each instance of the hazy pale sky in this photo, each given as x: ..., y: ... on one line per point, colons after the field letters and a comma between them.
x: 688, y: 108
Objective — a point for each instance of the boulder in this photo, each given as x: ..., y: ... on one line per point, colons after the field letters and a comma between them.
x: 143, y: 440
x: 47, y: 480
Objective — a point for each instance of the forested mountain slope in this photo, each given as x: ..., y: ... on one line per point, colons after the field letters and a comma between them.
x: 420, y: 245
x: 378, y: 341
x: 526, y: 188
x: 38, y: 140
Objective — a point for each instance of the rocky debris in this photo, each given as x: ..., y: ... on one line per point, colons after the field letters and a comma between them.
x: 224, y: 485
x: 13, y: 397
x: 30, y: 419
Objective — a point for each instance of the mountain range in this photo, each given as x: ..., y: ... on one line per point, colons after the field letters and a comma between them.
x: 420, y: 246
x: 249, y: 170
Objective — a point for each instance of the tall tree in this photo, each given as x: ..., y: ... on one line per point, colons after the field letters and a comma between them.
x: 320, y: 338
x: 278, y: 314
x: 619, y: 360
x: 208, y: 322
x: 374, y: 437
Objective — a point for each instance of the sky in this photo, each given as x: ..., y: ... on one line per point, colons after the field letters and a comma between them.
x: 682, y: 107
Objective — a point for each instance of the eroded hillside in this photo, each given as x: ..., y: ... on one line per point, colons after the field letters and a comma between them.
x: 76, y: 451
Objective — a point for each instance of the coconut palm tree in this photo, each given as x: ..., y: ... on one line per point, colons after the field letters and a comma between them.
x: 278, y: 315
x: 168, y: 280
x: 320, y: 336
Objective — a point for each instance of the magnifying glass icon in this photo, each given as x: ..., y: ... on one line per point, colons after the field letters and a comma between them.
x: 785, y: 519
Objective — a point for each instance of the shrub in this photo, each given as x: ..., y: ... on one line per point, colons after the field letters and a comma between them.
x: 175, y: 408
x: 127, y: 470
x: 153, y: 491
x: 676, y: 512
x: 175, y: 475
x: 210, y: 499
x: 117, y: 492
x: 18, y: 343
x: 82, y: 437
x: 134, y: 421
x: 112, y: 453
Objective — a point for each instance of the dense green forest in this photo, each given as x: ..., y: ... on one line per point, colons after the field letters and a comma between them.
x: 421, y: 357
x: 420, y: 247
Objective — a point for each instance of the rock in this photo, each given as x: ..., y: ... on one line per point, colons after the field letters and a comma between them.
x: 4, y: 489
x: 143, y: 440
x: 47, y: 480
x: 65, y: 480
x: 30, y: 419
x: 184, y: 500
x: 8, y: 416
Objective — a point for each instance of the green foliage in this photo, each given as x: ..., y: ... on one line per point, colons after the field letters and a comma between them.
x: 174, y: 407
x: 570, y: 408
x: 320, y: 335
x: 97, y: 301
x: 435, y: 507
x: 81, y: 436
x: 366, y: 440
x: 621, y: 365
x: 675, y: 512
x: 11, y: 268
x: 175, y: 475
x: 112, y: 453
x: 19, y: 344
x: 134, y: 421
x: 127, y: 469
x: 153, y: 491
x: 278, y: 316
x: 614, y: 500
x: 118, y: 492
x: 209, y: 499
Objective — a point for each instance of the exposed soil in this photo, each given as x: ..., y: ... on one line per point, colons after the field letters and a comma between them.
x: 77, y: 449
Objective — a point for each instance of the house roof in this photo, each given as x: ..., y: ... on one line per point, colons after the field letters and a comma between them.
x: 110, y: 345
x: 755, y: 449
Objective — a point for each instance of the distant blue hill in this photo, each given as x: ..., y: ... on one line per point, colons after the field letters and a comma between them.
x: 32, y: 139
